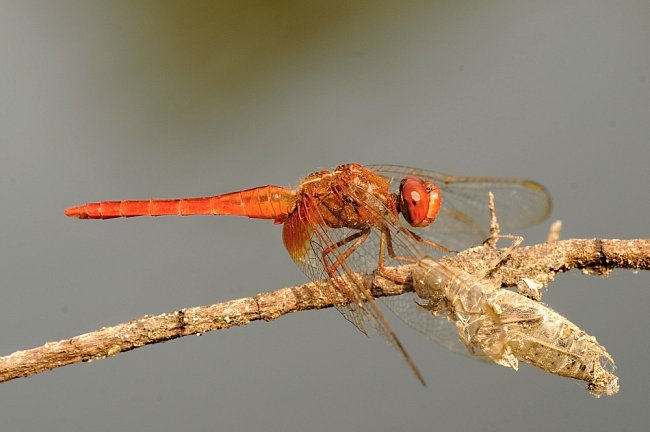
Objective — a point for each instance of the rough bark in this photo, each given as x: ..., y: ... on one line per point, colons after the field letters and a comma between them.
x: 539, y: 263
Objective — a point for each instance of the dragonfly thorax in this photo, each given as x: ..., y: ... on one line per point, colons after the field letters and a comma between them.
x: 350, y: 196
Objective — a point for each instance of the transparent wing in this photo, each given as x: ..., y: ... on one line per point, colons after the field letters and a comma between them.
x: 339, y: 256
x: 306, y: 241
x: 406, y: 306
x: 438, y: 328
x: 464, y: 218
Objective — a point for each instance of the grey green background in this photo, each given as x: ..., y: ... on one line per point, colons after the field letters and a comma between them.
x: 110, y: 100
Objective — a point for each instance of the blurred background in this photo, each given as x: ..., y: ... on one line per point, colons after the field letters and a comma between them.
x: 124, y: 99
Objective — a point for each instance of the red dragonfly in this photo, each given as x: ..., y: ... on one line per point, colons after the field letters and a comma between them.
x: 346, y: 222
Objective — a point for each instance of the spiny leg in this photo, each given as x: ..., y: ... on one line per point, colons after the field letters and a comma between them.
x: 386, y: 244
x: 429, y: 242
x: 384, y: 326
x: 346, y: 287
x: 359, y: 236
x: 339, y: 260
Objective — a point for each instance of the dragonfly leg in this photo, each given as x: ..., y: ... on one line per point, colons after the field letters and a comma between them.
x: 358, y: 237
x: 391, y: 251
x: 430, y: 243
x: 363, y: 299
x: 366, y: 300
x: 386, y: 245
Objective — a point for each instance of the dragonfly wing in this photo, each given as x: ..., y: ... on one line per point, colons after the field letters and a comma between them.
x: 306, y: 243
x: 464, y: 218
x: 410, y: 310
x: 341, y: 256
x: 408, y: 307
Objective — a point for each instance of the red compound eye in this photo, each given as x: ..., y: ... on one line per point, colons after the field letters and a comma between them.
x: 419, y: 201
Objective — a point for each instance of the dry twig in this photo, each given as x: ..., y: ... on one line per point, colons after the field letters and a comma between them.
x: 539, y: 263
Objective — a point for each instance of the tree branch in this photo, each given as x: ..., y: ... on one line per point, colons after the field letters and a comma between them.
x: 539, y: 263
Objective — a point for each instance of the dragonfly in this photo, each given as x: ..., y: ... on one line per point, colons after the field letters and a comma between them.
x: 352, y: 220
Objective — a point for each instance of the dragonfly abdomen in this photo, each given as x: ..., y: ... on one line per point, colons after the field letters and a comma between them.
x: 265, y: 202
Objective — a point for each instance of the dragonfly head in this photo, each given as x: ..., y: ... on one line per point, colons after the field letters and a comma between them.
x: 419, y: 201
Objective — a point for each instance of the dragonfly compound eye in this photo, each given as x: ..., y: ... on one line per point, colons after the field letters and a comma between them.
x: 419, y: 201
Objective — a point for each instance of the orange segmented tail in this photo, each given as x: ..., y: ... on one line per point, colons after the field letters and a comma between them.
x: 265, y: 202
